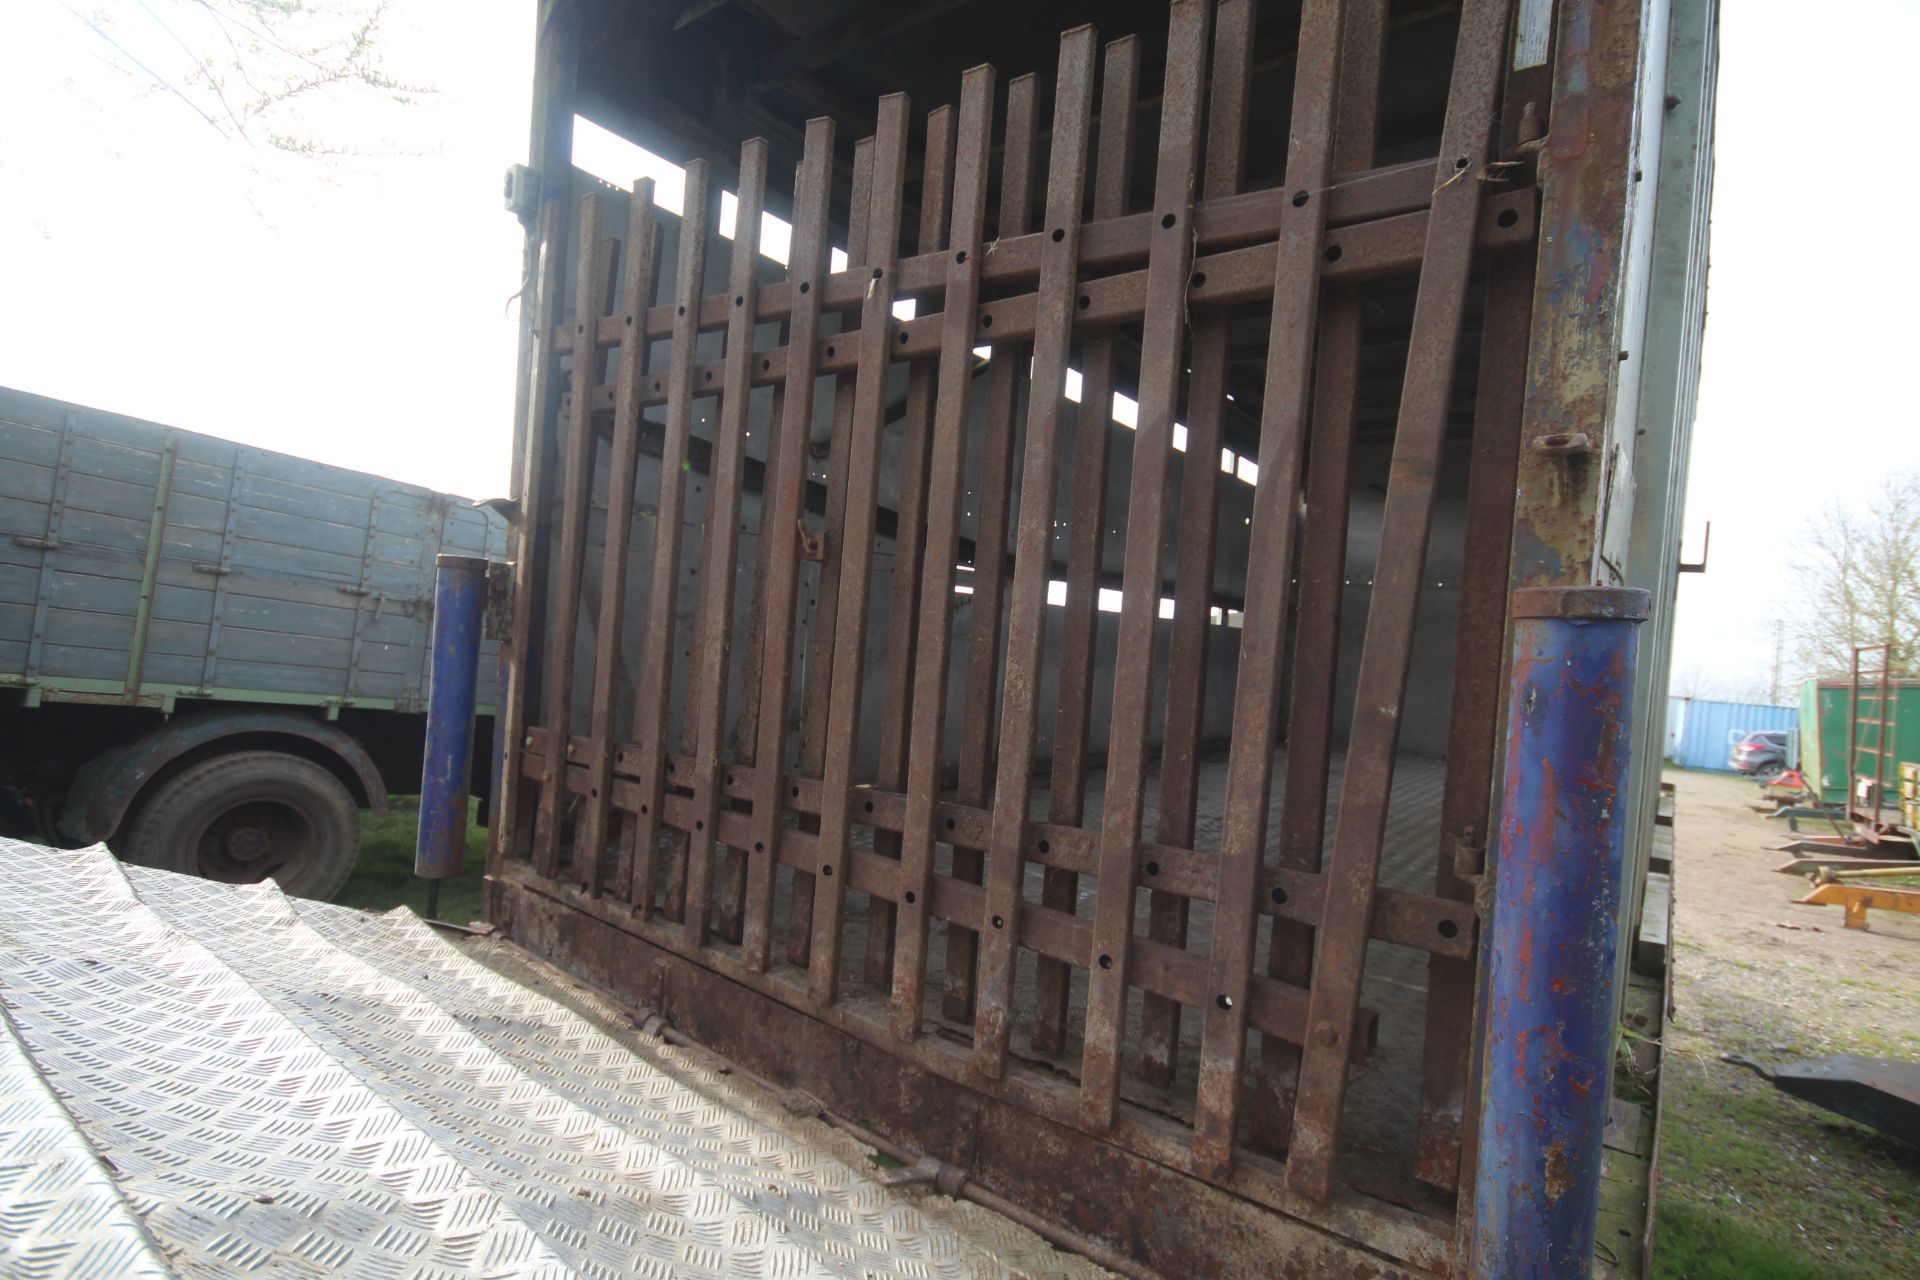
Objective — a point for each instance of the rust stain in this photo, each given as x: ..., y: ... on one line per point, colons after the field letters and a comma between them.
x: 1560, y: 1177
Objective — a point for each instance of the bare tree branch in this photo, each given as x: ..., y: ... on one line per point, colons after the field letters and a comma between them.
x: 249, y: 65
x: 159, y: 80
x: 1857, y: 574
x: 200, y: 62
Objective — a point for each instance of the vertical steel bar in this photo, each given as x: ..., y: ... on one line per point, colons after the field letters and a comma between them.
x: 1346, y: 917
x: 903, y: 622
x: 819, y: 663
x: 785, y: 489
x: 1033, y: 545
x: 1283, y: 433
x: 630, y: 366
x: 1322, y: 574
x: 946, y: 483
x: 985, y: 605
x: 527, y: 534
x: 1086, y: 543
x: 1474, y: 719
x: 1551, y: 981
x: 1185, y: 720
x: 575, y: 493
x: 556, y: 74
x: 730, y: 914
x: 746, y: 724
x: 663, y: 588
x: 713, y: 646
x: 459, y: 599
x: 875, y: 344
x: 1170, y: 258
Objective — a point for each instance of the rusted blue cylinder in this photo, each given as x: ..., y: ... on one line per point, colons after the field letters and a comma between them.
x: 1558, y: 881
x: 459, y: 601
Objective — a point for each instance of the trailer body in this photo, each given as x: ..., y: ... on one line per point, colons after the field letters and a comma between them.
x: 1023, y: 649
x: 1827, y: 717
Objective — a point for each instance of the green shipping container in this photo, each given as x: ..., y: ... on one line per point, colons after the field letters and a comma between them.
x: 1823, y: 733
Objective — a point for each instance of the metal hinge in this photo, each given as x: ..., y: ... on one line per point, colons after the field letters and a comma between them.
x: 36, y: 544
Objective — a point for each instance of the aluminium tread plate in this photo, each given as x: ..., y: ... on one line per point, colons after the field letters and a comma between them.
x: 273, y: 1090
x: 592, y: 1051
x: 243, y: 1147
x: 60, y: 1213
x: 702, y: 1198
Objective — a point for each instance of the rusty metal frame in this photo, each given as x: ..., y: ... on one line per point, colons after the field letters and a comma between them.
x: 594, y: 824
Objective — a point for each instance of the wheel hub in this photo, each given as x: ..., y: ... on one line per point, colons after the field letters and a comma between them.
x: 253, y: 840
x: 248, y: 843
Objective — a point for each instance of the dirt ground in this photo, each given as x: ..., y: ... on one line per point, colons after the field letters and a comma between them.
x: 1754, y: 1182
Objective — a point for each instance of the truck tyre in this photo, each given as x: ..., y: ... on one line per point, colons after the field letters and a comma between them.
x: 243, y: 817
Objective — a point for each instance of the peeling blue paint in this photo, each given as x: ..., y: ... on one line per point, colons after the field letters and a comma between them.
x: 459, y: 599
x: 1556, y: 902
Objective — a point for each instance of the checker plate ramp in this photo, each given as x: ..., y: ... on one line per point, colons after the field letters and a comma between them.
x: 203, y: 1079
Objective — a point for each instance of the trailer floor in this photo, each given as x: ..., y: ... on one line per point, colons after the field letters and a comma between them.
x: 203, y: 1080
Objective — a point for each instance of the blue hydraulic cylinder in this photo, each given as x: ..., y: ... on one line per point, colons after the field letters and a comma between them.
x: 459, y: 603
x: 1558, y: 886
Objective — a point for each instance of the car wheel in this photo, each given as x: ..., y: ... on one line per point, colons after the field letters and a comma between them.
x: 243, y: 817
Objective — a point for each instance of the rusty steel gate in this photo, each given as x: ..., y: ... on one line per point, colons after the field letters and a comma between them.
x: 968, y: 911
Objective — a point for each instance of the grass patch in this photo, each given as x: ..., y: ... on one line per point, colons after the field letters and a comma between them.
x: 383, y: 877
x: 1696, y: 1243
x: 1756, y: 1183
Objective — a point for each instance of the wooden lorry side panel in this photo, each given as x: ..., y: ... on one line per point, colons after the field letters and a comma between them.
x: 290, y: 577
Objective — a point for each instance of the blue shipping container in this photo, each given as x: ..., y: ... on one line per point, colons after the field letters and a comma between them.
x: 1701, y: 734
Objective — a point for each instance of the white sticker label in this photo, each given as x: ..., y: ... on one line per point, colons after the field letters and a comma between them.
x: 1532, y: 33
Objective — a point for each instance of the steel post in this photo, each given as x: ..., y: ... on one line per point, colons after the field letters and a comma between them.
x: 459, y: 600
x: 1556, y: 902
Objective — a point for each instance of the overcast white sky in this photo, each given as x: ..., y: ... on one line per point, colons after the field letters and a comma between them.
x: 357, y: 311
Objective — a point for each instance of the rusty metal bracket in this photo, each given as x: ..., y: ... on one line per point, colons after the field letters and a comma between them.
x: 1706, y: 545
x: 1563, y: 444
x: 813, y: 544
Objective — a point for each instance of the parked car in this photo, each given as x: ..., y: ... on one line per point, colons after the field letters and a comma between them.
x: 1761, y: 755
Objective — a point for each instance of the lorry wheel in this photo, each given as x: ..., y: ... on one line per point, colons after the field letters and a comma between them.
x: 242, y: 817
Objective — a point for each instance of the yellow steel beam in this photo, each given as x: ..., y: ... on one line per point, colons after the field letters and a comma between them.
x: 1858, y: 898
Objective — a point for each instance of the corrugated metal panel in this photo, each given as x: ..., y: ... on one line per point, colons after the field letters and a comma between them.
x: 1701, y: 734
